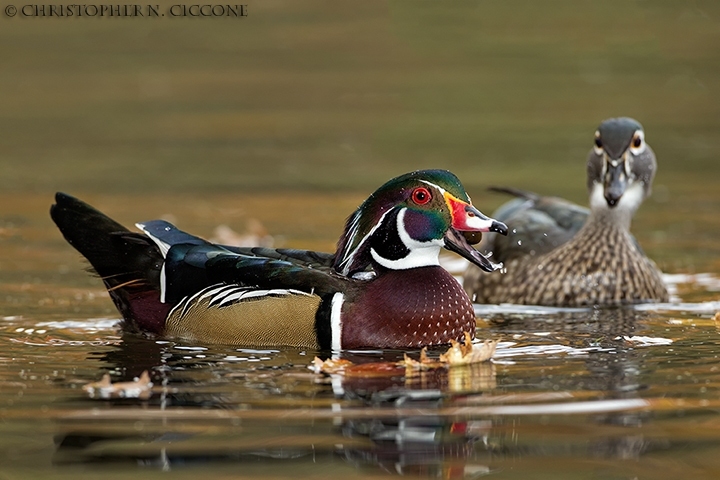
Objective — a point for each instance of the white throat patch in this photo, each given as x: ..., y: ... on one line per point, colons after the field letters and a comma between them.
x: 422, y: 254
x: 630, y: 200
x: 626, y: 206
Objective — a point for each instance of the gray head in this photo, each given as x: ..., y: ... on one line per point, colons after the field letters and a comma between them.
x: 620, y: 167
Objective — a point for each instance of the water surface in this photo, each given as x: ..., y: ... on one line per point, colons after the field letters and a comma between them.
x: 291, y: 117
x: 591, y: 393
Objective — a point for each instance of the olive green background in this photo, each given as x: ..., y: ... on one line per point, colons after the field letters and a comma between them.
x: 339, y: 96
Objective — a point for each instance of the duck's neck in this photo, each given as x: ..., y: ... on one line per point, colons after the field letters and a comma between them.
x: 610, y: 219
x: 619, y: 216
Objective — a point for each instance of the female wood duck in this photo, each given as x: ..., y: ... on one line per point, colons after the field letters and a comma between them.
x: 382, y: 288
x: 560, y: 254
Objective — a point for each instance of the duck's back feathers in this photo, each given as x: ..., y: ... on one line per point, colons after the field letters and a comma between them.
x: 204, y: 291
x: 538, y: 224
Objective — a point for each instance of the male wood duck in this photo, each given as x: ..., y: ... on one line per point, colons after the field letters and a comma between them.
x: 561, y: 254
x: 382, y: 288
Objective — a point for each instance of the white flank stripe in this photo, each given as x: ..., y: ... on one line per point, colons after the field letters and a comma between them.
x: 164, y: 247
x: 336, y: 321
x: 162, y: 284
x: 229, y: 294
x: 212, y: 292
x: 237, y: 296
x: 246, y: 293
x: 186, y: 302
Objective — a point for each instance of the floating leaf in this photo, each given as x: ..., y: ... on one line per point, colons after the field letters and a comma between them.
x: 464, y: 354
x: 138, y: 388
x: 330, y: 365
x: 457, y: 354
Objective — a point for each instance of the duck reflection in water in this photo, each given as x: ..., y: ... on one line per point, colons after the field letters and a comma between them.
x: 449, y: 422
x: 409, y: 433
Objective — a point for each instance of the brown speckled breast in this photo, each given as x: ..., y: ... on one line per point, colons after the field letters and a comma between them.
x: 601, y: 265
x: 407, y: 308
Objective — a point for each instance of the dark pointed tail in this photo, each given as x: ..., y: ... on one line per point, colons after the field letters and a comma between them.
x: 128, y: 263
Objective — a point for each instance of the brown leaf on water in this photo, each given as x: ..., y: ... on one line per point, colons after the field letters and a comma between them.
x: 374, y: 370
x: 424, y: 363
x: 458, y: 354
x: 138, y: 388
x: 330, y: 365
x: 349, y: 369
x: 467, y: 353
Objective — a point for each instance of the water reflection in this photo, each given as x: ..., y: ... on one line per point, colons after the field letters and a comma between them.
x: 215, y: 404
x: 613, y: 370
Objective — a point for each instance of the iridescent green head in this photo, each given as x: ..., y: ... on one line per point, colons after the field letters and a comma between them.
x: 406, y: 222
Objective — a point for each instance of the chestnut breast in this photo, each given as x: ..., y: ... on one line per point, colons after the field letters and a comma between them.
x: 407, y: 308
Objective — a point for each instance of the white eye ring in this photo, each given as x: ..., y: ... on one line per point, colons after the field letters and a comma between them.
x: 638, y: 150
x: 598, y: 149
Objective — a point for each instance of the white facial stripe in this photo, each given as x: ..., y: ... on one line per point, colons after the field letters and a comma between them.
x: 422, y: 254
x: 336, y: 320
x: 440, y: 189
x: 348, y: 260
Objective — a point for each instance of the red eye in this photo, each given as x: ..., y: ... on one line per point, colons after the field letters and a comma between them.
x: 421, y: 195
